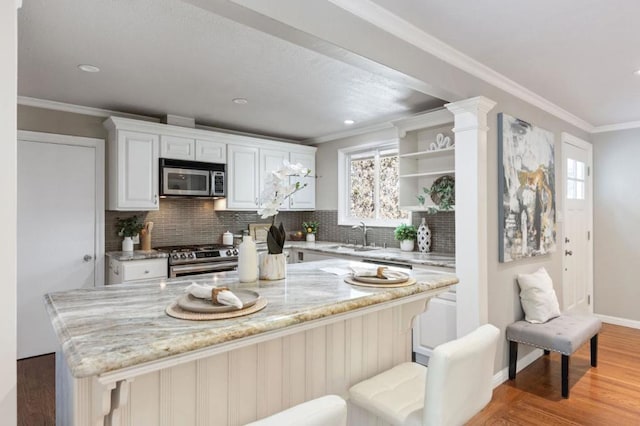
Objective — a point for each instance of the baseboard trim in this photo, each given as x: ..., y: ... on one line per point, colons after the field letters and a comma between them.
x: 619, y: 321
x: 503, y: 375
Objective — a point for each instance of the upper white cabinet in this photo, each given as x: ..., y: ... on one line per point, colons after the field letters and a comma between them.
x: 243, y: 188
x: 305, y: 199
x: 211, y: 151
x: 133, y: 169
x: 183, y: 148
x: 177, y: 148
x: 135, y: 147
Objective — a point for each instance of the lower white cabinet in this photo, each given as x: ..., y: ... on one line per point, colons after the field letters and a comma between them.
x: 136, y: 270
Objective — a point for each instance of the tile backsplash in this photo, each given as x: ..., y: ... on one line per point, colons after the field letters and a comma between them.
x: 195, y: 221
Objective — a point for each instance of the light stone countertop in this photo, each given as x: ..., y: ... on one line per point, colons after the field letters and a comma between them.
x: 136, y: 255
x: 109, y: 328
x: 443, y: 260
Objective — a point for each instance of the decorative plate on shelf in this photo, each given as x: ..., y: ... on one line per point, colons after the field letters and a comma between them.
x: 443, y: 181
x: 194, y: 304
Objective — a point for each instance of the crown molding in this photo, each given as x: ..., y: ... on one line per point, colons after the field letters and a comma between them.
x: 616, y: 127
x: 387, y: 21
x: 79, y: 109
x: 348, y: 133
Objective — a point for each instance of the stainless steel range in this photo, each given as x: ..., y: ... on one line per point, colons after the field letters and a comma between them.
x: 200, y: 259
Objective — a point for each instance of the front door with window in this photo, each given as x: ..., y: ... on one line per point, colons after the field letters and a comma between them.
x: 577, y: 278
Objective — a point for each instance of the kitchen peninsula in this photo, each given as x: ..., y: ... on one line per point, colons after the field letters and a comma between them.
x: 124, y: 361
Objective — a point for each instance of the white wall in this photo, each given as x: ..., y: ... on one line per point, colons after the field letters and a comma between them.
x: 8, y: 208
x: 616, y: 233
x: 336, y: 26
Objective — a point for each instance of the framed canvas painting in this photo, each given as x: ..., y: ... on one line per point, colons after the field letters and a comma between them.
x: 526, y: 169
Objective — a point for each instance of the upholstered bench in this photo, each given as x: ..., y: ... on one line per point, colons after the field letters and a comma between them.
x: 564, y: 334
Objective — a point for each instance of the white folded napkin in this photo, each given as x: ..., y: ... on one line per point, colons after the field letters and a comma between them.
x: 370, y: 272
x: 225, y: 297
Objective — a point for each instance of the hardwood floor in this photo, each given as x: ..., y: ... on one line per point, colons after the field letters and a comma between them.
x: 606, y: 395
x: 37, y: 391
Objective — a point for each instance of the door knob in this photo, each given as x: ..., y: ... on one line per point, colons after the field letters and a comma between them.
x: 568, y: 253
x: 87, y: 257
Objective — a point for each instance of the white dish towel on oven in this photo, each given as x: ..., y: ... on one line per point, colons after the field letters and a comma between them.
x: 225, y: 297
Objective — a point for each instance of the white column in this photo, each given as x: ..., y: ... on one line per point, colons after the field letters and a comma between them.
x: 8, y: 208
x: 470, y: 127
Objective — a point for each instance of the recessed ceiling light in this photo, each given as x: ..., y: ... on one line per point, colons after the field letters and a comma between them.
x: 637, y: 72
x: 349, y: 122
x: 240, y: 101
x: 88, y: 68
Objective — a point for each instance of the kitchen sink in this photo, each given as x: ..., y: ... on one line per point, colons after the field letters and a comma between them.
x: 352, y: 248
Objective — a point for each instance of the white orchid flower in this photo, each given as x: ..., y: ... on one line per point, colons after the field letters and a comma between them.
x: 278, y: 187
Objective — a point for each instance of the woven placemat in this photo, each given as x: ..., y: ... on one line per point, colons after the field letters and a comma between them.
x: 410, y: 281
x: 173, y: 310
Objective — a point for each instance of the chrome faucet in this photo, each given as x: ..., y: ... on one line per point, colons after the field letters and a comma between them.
x: 364, y: 229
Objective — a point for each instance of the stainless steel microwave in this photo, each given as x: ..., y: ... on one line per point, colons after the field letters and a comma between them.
x: 180, y: 178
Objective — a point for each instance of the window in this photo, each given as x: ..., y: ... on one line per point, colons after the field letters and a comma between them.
x: 369, y: 186
x: 575, y: 179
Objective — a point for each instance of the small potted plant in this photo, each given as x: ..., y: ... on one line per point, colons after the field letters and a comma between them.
x: 442, y: 193
x: 129, y: 227
x: 406, y: 234
x: 311, y: 229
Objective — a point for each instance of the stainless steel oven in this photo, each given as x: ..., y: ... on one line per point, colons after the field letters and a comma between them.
x: 200, y: 259
x: 179, y: 178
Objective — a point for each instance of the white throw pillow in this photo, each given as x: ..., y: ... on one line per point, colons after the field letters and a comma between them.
x: 537, y: 296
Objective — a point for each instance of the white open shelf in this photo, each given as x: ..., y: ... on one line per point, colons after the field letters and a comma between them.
x: 426, y: 174
x: 419, y: 155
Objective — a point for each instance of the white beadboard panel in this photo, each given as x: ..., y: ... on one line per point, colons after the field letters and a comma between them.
x: 337, y: 379
x: 316, y: 363
x: 294, y: 365
x: 269, y: 378
x: 217, y: 403
x: 145, y: 397
x: 256, y: 381
x: 242, y: 385
x: 385, y: 339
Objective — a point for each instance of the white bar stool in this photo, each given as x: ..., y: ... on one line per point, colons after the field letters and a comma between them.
x: 455, y: 387
x: 330, y: 410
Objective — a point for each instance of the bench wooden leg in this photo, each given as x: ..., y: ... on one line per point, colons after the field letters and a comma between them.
x: 513, y: 359
x: 594, y: 351
x: 546, y: 352
x: 565, y: 376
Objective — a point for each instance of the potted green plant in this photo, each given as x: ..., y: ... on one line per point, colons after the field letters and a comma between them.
x: 311, y: 229
x: 128, y: 227
x: 406, y: 234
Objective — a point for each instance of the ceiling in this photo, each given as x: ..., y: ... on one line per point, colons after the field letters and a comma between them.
x: 162, y: 57
x: 578, y: 54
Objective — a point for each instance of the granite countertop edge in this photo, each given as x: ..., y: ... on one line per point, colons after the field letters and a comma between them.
x: 124, y: 256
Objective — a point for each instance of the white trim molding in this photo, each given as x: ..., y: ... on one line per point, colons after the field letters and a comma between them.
x: 619, y: 321
x: 615, y: 127
x: 503, y: 375
x: 79, y: 109
x: 387, y: 21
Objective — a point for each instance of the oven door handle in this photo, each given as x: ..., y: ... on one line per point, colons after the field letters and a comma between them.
x: 205, y: 267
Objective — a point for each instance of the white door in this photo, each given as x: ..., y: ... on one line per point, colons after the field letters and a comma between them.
x: 60, y: 228
x: 305, y: 199
x: 577, y: 246
x: 242, y: 177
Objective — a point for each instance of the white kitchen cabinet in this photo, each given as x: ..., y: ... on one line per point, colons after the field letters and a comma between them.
x: 210, y: 151
x: 270, y: 160
x: 132, y: 169
x: 184, y: 148
x: 177, y: 148
x: 129, y: 271
x: 304, y: 199
x: 243, y: 174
